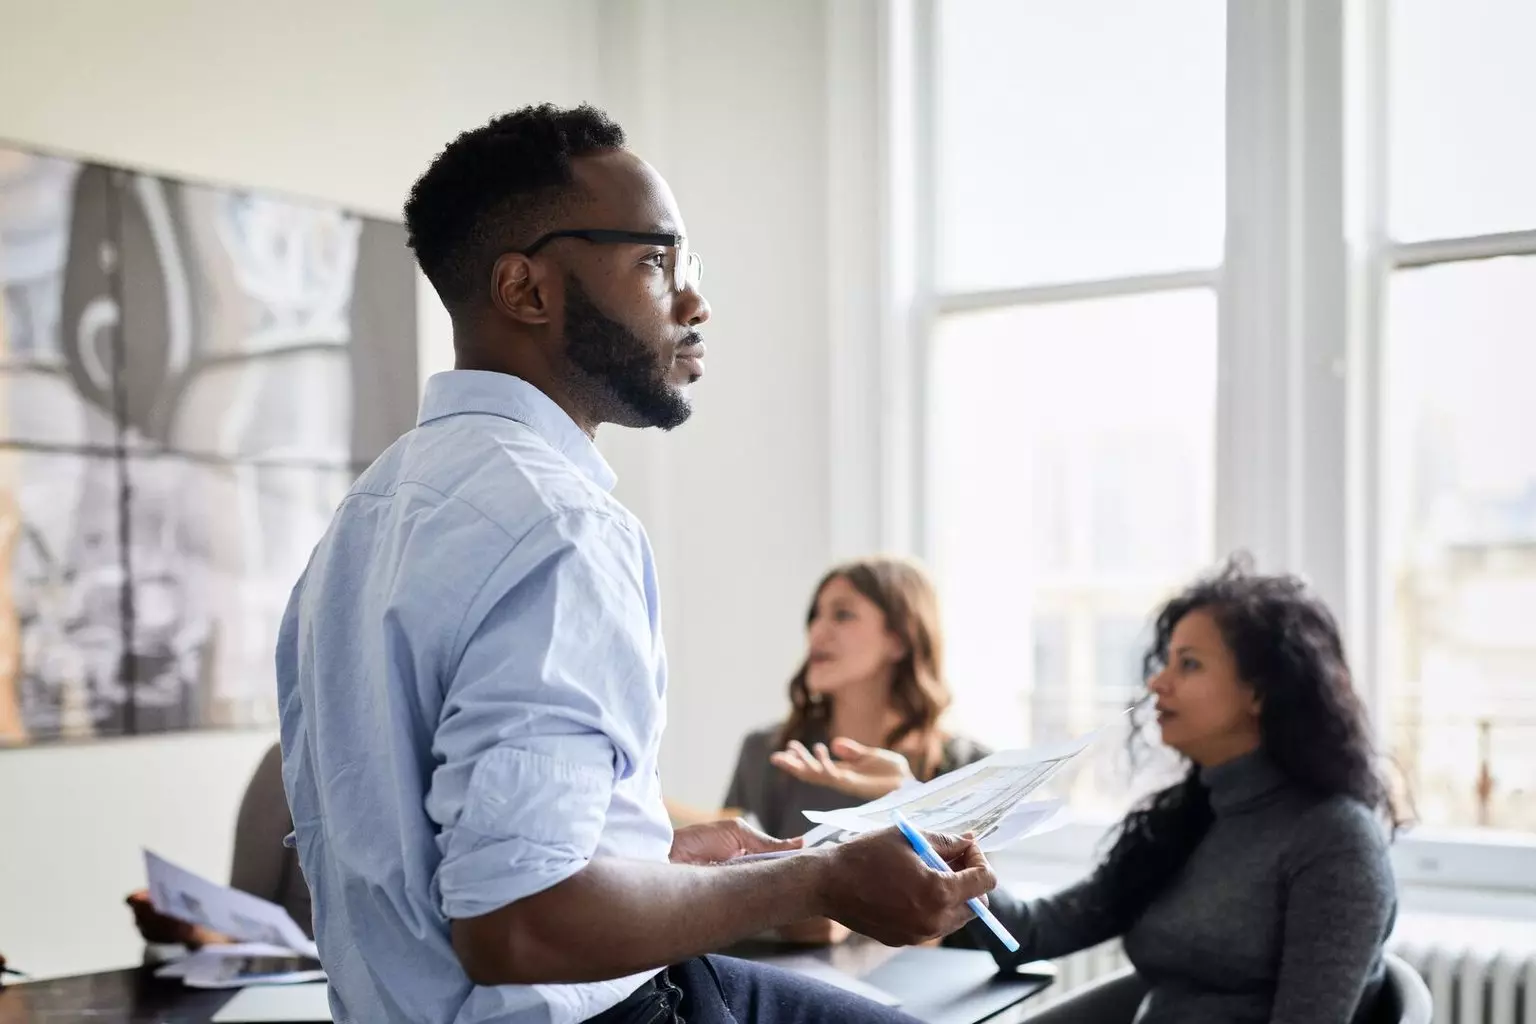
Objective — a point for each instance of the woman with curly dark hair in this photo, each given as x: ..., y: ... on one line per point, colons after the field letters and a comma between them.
x: 1258, y: 888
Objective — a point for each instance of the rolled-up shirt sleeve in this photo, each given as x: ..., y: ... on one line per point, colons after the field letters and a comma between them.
x: 545, y: 711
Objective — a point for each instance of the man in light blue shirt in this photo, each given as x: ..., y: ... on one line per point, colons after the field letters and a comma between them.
x: 471, y: 670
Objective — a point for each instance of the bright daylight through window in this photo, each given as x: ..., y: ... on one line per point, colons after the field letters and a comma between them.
x: 1459, y: 434
x: 1077, y: 205
x: 1065, y: 501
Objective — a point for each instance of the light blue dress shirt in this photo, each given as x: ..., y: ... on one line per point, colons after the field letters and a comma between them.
x: 472, y: 688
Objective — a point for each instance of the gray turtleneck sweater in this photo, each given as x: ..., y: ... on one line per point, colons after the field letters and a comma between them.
x: 1279, y: 916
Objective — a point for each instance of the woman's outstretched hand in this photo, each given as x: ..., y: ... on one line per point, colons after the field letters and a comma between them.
x: 867, y: 773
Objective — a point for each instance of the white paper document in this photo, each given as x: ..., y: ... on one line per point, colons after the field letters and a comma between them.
x: 1027, y: 819
x: 285, y: 1003
x: 987, y: 799
x: 246, y: 963
x: 179, y: 893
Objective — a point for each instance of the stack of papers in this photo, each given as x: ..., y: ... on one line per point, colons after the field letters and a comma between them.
x: 247, y: 963
x: 270, y: 948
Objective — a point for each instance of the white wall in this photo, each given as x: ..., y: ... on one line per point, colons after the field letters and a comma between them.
x: 76, y: 820
x: 348, y: 101
x: 344, y: 101
x: 736, y: 500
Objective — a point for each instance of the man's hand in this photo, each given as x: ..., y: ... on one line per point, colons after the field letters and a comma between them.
x: 878, y: 886
x: 714, y: 842
x: 867, y: 773
x: 615, y: 916
x: 159, y: 928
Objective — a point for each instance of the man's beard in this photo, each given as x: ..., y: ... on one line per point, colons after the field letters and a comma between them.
x: 620, y: 368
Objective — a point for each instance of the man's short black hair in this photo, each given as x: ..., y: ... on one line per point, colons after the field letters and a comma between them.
x: 491, y: 187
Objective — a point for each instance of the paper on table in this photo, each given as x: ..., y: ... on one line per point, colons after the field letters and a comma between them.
x: 179, y: 893
x: 975, y: 799
x: 246, y: 963
x: 190, y: 962
x: 286, y: 1003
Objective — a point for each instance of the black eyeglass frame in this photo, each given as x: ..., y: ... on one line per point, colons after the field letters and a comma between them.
x: 687, y: 262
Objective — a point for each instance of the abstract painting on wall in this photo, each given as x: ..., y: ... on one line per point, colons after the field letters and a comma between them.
x: 190, y: 378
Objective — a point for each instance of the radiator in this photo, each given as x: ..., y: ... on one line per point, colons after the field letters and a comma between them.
x: 1470, y: 985
x: 1475, y: 986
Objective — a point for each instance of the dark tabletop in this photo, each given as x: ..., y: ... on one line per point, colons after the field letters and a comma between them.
x: 938, y: 986
x: 111, y: 997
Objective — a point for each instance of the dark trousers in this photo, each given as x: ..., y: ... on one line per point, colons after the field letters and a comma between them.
x: 724, y: 990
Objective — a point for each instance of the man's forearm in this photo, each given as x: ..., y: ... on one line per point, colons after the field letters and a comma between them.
x: 618, y: 917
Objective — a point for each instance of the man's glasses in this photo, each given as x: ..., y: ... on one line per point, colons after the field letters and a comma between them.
x: 687, y: 268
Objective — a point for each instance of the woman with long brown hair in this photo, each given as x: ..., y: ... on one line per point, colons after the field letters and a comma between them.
x: 865, y: 706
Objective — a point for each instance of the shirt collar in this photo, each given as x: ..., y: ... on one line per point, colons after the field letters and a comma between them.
x: 500, y: 394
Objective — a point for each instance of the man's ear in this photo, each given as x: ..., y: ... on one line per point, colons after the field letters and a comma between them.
x: 520, y: 289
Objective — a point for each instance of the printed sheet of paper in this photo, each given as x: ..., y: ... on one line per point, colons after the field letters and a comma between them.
x: 1027, y: 819
x: 246, y: 963
x: 979, y: 798
x: 179, y: 893
x: 277, y: 1003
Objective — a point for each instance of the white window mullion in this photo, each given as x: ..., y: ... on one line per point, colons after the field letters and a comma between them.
x: 879, y: 127
x: 1282, y: 411
x: 1251, y: 428
x: 910, y: 82
x: 1368, y: 245
x: 910, y: 479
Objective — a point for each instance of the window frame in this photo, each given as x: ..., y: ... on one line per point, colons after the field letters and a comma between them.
x: 1457, y: 860
x: 1299, y: 294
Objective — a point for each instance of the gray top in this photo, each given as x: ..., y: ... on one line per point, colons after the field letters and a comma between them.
x: 1279, y: 916
x: 263, y: 866
x: 779, y: 801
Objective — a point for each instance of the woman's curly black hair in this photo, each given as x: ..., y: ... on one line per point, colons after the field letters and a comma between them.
x: 1312, y: 724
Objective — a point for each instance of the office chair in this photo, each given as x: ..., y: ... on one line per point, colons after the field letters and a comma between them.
x: 1405, y: 999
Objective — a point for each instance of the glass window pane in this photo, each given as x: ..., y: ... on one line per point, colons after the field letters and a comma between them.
x: 1072, y: 462
x: 1119, y: 641
x: 1049, y: 701
x: 1459, y: 444
x: 1462, y: 88
x: 1079, y: 141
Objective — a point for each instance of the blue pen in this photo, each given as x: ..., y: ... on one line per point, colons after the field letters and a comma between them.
x: 931, y: 857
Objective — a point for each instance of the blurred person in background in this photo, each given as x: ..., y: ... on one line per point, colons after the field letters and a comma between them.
x: 866, y: 708
x: 263, y: 866
x: 1258, y: 888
